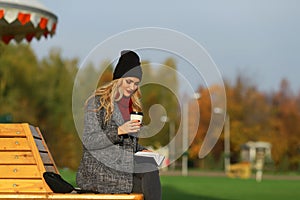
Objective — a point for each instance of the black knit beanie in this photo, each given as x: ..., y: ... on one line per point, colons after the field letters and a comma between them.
x: 129, y: 65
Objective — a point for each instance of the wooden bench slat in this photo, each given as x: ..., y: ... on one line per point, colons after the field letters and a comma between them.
x: 50, y: 168
x: 12, y: 157
x: 19, y: 171
x: 45, y: 158
x: 34, y: 132
x: 7, y: 130
x: 95, y: 196
x: 21, y: 186
x: 15, y: 196
x: 14, y: 144
x: 40, y: 145
x: 72, y: 196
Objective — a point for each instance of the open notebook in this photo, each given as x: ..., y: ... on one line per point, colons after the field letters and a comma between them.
x: 156, y: 156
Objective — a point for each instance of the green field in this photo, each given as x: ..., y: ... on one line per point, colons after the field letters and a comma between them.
x: 221, y: 188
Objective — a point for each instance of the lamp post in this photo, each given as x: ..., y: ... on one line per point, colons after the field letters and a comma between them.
x: 171, y: 134
x: 226, y: 139
x: 185, y: 130
x: 184, y: 168
x: 227, y: 143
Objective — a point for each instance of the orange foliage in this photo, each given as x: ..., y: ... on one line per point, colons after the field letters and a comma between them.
x: 256, y: 116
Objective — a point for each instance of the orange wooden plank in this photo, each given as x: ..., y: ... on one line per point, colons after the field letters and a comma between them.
x: 23, y: 196
x: 14, y: 144
x: 96, y: 196
x: 12, y: 157
x: 72, y: 196
x: 11, y: 130
x: 21, y: 186
x: 19, y: 171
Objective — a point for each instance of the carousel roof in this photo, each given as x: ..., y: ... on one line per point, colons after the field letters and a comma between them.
x: 25, y: 19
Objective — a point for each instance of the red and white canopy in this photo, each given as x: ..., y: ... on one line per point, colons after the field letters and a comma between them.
x: 27, y: 19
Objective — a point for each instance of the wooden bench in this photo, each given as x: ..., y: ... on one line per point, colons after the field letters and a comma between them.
x: 24, y: 157
x: 239, y: 170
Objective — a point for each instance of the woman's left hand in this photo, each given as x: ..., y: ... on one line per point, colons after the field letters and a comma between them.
x: 146, y: 150
x: 132, y: 126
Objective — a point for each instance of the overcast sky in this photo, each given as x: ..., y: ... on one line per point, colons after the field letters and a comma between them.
x: 258, y: 38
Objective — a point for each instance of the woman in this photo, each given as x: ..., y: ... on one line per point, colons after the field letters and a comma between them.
x: 107, y: 165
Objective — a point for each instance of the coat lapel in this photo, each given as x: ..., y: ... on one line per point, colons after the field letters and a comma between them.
x: 117, y: 115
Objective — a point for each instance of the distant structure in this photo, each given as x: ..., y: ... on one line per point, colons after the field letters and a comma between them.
x: 255, y: 153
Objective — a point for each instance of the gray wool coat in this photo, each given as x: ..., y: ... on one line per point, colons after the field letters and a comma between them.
x: 107, y: 163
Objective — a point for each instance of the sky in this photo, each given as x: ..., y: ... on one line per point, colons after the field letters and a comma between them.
x: 255, y: 38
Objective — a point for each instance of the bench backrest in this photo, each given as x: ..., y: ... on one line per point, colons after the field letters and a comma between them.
x: 24, y: 157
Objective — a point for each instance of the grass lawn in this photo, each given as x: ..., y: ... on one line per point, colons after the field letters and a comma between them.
x: 220, y: 188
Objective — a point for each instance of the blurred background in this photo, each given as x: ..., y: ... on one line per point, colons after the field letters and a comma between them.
x: 255, y: 45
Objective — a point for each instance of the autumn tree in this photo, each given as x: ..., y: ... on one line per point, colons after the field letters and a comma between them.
x: 285, y: 128
x: 255, y: 116
x: 55, y: 117
x: 161, y: 90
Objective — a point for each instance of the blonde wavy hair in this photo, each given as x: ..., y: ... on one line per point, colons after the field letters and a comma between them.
x: 111, y: 92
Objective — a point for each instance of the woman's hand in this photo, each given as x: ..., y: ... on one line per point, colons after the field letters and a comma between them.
x: 146, y: 150
x: 132, y: 126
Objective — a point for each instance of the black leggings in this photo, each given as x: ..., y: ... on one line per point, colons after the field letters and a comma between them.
x: 147, y: 183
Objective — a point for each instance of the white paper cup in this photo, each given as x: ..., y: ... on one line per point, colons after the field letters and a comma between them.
x: 136, y: 116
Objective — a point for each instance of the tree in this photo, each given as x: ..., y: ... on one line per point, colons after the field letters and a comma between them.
x: 286, y: 116
x: 158, y: 92
x: 55, y: 107
x: 18, y: 82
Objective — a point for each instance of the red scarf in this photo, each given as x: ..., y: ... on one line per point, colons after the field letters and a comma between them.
x: 125, y: 106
